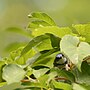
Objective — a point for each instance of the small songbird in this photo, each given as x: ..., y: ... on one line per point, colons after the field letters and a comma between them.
x: 61, y: 61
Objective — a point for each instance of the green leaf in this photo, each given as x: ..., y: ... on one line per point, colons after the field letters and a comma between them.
x: 15, y: 56
x: 61, y: 85
x: 23, y: 60
x: 12, y: 86
x: 40, y: 83
x: 30, y: 61
x: 43, y: 80
x: 84, y: 76
x: 29, y: 71
x: 55, y: 41
x: 74, y: 49
x: 43, y: 17
x: 16, y: 53
x: 52, y: 74
x: 37, y: 24
x: 85, y: 67
x: 67, y: 74
x: 83, y: 30
x: 2, y: 84
x: 46, y: 53
x: 50, y: 43
x: 40, y: 72
x: 13, y: 73
x: 44, y: 45
x: 78, y: 87
x: 46, y: 59
x: 59, y: 32
x: 2, y: 63
x: 35, y: 41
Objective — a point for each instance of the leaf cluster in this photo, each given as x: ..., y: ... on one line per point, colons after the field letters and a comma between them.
x: 31, y: 67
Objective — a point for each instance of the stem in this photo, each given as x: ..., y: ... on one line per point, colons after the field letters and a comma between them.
x: 62, y: 78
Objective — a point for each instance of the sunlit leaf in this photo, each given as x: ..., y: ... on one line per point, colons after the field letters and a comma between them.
x: 59, y: 32
x: 61, y: 85
x: 74, y: 49
x: 43, y: 80
x: 23, y: 60
x: 78, y: 87
x: 44, y: 45
x: 83, y: 30
x: 16, y: 53
x: 46, y: 59
x: 42, y: 16
x: 12, y: 86
x: 37, y: 24
x: 2, y: 84
x: 34, y: 42
x: 30, y: 61
x: 40, y: 72
x: 49, y: 43
x: 48, y: 62
x: 37, y: 84
x: 13, y: 73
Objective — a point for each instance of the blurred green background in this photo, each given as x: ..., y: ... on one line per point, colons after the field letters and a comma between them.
x: 14, y: 13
